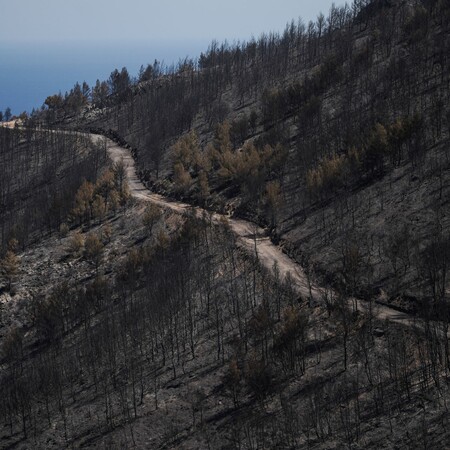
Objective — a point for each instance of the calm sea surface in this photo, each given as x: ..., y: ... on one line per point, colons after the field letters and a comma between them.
x: 29, y: 73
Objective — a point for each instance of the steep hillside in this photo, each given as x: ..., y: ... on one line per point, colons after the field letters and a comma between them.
x: 152, y: 329
x: 257, y: 258
x: 334, y: 135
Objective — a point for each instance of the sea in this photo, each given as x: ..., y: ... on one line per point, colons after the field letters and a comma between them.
x: 29, y: 72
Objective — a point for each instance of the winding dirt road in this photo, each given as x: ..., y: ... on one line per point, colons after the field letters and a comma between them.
x: 250, y: 236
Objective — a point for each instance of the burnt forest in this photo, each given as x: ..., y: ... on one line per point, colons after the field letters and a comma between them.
x: 245, y: 250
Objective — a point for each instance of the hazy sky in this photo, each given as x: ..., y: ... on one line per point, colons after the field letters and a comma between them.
x: 138, y: 20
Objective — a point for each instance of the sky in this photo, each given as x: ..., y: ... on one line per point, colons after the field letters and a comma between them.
x: 136, y: 20
x: 48, y: 45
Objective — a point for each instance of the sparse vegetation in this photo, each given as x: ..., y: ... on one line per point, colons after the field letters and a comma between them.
x: 94, y: 201
x: 144, y: 326
x: 76, y: 243
x: 152, y: 215
x: 93, y: 249
x: 9, y: 266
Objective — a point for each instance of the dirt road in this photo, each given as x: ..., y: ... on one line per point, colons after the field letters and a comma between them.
x: 250, y: 236
x: 248, y: 233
